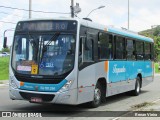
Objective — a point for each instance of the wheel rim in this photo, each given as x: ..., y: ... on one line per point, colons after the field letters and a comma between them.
x: 138, y: 87
x: 97, y: 96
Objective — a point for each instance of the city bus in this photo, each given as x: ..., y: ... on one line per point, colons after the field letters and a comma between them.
x: 73, y: 61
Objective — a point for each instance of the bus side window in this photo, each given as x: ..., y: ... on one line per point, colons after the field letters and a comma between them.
x: 88, y: 50
x: 130, y: 50
x: 120, y: 48
x: 152, y: 51
x: 80, y: 51
x: 147, y: 47
x: 139, y: 50
x: 85, y: 50
x: 105, y: 46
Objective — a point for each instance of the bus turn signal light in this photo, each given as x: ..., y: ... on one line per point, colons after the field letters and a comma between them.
x: 21, y: 83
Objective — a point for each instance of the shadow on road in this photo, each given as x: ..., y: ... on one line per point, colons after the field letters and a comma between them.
x: 69, y: 108
x: 119, y: 97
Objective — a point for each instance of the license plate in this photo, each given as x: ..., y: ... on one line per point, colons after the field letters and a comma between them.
x: 34, y: 99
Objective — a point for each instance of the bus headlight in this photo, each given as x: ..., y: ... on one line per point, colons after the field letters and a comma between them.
x: 13, y: 83
x: 66, y: 86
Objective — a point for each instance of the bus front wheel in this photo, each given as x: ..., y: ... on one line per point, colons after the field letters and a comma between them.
x: 97, y: 96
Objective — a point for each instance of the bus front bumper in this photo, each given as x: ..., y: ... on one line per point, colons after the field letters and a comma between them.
x: 67, y: 97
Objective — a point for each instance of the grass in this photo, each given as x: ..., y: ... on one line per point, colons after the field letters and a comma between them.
x: 156, y: 68
x: 4, y: 68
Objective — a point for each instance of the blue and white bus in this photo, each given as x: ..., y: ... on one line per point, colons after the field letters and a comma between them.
x: 72, y: 61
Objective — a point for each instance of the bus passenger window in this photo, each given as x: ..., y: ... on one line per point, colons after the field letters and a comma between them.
x: 88, y: 50
x: 105, y: 46
x: 85, y: 50
x: 120, y: 48
x: 147, y: 47
x: 80, y: 52
x: 130, y: 50
x: 152, y: 51
x: 140, y: 51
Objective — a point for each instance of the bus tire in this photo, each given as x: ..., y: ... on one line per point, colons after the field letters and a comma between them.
x: 137, y: 89
x: 97, y: 96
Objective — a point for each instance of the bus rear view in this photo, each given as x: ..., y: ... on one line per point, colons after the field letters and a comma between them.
x: 43, y: 60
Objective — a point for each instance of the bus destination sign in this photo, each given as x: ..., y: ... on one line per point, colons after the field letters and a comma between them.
x: 45, y: 26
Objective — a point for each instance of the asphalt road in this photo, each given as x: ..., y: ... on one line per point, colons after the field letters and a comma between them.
x: 121, y: 102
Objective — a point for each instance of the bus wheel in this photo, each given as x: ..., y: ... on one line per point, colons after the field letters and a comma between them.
x: 97, y: 96
x: 137, y: 89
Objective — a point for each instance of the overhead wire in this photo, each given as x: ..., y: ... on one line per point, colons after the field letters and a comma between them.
x: 1, y: 12
x: 8, y: 22
x: 32, y: 10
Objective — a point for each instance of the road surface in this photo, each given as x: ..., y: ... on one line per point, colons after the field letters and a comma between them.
x: 121, y: 102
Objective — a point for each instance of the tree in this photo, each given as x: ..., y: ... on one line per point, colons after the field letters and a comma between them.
x: 156, y: 31
x: 157, y: 47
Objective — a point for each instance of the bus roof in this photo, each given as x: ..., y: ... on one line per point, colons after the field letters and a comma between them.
x: 118, y: 31
x: 111, y: 29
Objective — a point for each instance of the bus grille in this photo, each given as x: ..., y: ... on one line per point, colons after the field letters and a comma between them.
x: 44, y: 97
x: 38, y: 80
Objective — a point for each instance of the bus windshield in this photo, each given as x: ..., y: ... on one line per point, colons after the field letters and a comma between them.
x: 43, y: 54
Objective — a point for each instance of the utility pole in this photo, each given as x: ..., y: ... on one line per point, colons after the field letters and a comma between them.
x: 30, y: 7
x: 128, y: 14
x: 72, y: 8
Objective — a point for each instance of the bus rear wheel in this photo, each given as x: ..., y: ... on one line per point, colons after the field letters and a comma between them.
x: 97, y: 96
x: 137, y: 89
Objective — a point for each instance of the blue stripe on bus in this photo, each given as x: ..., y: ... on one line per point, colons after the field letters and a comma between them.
x: 129, y: 34
x: 43, y: 87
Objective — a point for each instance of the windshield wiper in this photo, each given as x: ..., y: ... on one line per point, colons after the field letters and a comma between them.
x: 53, y: 38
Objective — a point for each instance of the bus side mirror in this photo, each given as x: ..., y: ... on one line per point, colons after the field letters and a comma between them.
x: 5, y: 42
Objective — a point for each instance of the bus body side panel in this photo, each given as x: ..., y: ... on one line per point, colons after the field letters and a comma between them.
x: 118, y: 82
x: 86, y: 78
x: 122, y: 75
x: 148, y: 76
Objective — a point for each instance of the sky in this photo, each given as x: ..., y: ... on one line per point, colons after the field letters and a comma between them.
x: 143, y: 13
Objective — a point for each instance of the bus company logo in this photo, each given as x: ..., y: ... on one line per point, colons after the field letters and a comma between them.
x: 118, y: 70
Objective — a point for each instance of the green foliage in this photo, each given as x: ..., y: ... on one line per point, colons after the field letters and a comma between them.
x: 155, y: 34
x: 157, y: 47
x: 156, y: 68
x: 5, y: 50
x: 4, y: 66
